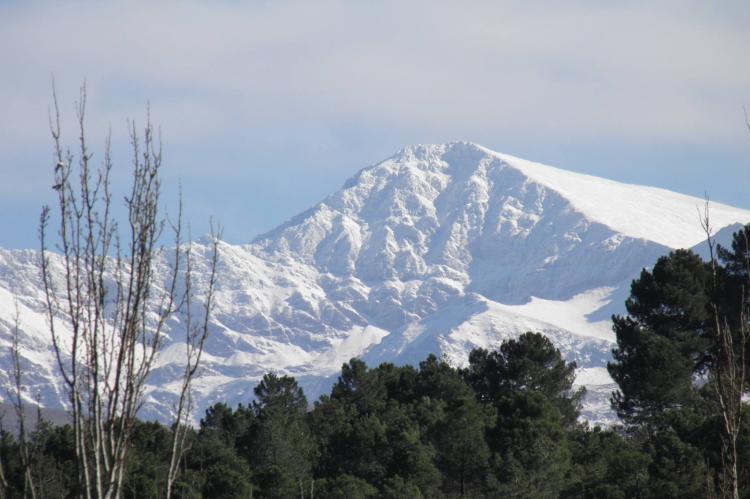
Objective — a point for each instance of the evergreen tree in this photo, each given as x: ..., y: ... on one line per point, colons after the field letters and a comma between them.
x: 529, y: 363
x: 677, y: 469
x: 149, y: 461
x: 344, y: 487
x: 455, y: 424
x: 396, y: 487
x: 733, y: 288
x: 606, y: 466
x: 664, y: 341
x: 282, y: 451
x: 530, y: 447
x: 668, y: 364
x: 530, y: 386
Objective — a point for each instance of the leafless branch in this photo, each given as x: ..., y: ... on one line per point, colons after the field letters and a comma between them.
x: 729, y: 366
x: 108, y: 308
x: 195, y: 340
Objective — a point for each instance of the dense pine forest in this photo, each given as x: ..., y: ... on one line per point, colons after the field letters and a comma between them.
x: 505, y: 425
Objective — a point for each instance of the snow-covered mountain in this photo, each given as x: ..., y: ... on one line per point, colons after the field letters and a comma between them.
x: 438, y: 249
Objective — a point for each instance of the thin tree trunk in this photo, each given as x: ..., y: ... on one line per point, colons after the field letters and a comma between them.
x: 195, y: 340
x: 111, y: 302
x: 729, y: 368
x: 29, y: 489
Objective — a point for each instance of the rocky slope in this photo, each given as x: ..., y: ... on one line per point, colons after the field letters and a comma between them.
x: 440, y: 248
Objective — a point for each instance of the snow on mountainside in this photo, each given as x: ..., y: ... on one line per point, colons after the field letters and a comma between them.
x: 438, y: 249
x: 649, y: 213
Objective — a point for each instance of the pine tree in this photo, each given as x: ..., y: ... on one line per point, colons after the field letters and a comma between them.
x: 530, y: 386
x: 664, y: 341
x: 282, y: 450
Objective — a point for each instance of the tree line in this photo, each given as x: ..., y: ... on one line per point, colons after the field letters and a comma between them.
x: 504, y: 426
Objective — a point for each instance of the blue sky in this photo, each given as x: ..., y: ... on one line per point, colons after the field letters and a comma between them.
x: 267, y: 107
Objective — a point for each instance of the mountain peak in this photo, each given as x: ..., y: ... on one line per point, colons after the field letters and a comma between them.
x: 650, y: 213
x: 440, y: 248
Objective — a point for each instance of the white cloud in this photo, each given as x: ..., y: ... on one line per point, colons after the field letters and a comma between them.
x: 580, y: 70
x: 235, y: 75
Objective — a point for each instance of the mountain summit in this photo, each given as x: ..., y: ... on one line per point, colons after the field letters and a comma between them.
x: 438, y: 249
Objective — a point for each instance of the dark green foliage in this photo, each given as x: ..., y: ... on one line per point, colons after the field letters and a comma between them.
x: 530, y: 363
x: 396, y: 487
x: 734, y: 282
x: 671, y: 299
x: 503, y: 427
x: 391, y: 431
x: 606, y: 465
x: 344, y: 487
x: 217, y: 469
x: 734, y: 259
x: 227, y: 482
x: 52, y: 462
x: 149, y: 462
x: 456, y: 425
x: 664, y: 342
x: 367, y: 428
x: 677, y: 469
x: 530, y: 386
x: 282, y: 449
x: 653, y: 375
x: 530, y: 446
x: 666, y: 366
x: 225, y: 424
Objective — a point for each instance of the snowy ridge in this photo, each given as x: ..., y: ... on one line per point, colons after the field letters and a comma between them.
x: 438, y: 249
x: 650, y: 213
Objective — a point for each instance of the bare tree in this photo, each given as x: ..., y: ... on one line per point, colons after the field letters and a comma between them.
x: 108, y: 313
x: 16, y: 397
x: 195, y: 340
x: 3, y: 481
x: 729, y: 365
